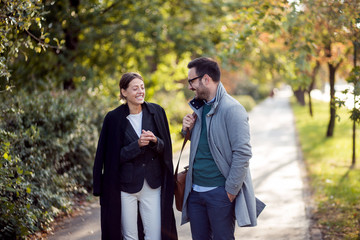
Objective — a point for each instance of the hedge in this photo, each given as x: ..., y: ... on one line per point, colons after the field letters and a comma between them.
x: 47, y: 145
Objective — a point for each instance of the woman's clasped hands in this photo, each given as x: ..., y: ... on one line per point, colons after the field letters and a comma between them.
x: 146, y: 137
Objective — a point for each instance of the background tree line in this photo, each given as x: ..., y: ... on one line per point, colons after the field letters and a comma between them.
x: 61, y: 62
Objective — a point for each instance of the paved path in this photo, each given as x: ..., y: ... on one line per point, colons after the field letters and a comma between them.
x: 277, y: 177
x: 276, y: 172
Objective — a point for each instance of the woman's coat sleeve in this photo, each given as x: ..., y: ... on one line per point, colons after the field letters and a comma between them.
x: 99, y: 159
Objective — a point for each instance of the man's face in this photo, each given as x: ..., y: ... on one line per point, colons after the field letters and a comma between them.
x: 196, y: 85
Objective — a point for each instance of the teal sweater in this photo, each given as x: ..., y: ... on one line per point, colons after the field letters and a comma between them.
x: 206, y: 173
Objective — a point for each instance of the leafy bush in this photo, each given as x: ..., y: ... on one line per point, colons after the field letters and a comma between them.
x: 176, y: 107
x: 256, y: 91
x: 247, y: 101
x: 47, y: 145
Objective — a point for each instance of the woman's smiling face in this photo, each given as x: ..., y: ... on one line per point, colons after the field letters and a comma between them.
x: 135, y: 93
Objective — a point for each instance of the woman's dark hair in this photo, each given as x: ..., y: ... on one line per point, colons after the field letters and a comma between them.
x: 207, y: 66
x: 126, y: 79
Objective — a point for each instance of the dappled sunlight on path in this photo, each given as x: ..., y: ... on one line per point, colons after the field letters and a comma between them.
x: 85, y: 226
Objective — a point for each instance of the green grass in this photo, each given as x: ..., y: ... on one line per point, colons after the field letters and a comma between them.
x: 335, y: 186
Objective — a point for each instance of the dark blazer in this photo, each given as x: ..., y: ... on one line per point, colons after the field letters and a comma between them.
x: 142, y: 163
x: 107, y: 170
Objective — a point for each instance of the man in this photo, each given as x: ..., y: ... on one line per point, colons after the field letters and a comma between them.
x: 218, y: 185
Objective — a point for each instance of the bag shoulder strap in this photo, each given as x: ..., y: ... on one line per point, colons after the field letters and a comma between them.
x: 187, y: 137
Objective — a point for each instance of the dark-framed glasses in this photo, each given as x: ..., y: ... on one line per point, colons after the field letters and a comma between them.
x: 191, y: 80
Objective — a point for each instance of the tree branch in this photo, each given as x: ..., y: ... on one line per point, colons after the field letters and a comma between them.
x: 110, y: 7
x: 338, y: 64
x: 41, y: 41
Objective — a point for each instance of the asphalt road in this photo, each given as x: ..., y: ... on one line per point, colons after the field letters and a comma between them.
x: 276, y: 169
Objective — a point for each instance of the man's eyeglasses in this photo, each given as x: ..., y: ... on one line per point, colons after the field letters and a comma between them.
x: 191, y: 80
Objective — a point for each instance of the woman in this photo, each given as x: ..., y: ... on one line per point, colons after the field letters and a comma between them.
x: 133, y: 171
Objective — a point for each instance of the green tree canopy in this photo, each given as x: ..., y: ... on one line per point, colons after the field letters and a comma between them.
x: 17, y: 17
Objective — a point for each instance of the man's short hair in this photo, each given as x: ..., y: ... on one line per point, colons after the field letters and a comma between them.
x: 204, y: 65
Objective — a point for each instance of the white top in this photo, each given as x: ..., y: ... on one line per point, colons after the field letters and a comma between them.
x: 136, y: 122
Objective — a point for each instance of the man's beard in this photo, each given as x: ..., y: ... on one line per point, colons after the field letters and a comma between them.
x: 202, y: 93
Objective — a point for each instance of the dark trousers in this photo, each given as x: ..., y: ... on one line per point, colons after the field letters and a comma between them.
x: 212, y: 215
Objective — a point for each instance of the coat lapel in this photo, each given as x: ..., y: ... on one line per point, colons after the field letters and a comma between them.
x: 146, y: 123
x: 146, y: 119
x: 128, y: 130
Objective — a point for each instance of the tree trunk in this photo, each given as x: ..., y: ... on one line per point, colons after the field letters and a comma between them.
x: 311, y: 86
x: 332, y: 71
x: 331, y: 126
x: 71, y: 44
x: 353, y: 162
x: 300, y: 96
x: 310, y: 105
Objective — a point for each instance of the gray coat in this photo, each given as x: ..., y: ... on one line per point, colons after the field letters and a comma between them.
x: 229, y: 143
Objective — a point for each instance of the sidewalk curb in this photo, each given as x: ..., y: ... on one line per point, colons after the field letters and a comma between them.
x: 314, y: 232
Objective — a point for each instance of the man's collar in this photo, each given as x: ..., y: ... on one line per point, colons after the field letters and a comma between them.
x: 210, y: 102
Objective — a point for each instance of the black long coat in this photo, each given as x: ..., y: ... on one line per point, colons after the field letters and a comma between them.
x: 106, y: 172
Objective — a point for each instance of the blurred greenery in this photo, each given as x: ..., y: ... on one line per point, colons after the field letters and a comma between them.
x: 335, y: 184
x: 61, y: 62
x: 247, y: 101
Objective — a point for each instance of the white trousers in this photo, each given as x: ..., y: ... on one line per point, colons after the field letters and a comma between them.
x: 149, y: 206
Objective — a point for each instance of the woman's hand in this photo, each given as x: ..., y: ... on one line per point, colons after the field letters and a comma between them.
x: 146, y: 137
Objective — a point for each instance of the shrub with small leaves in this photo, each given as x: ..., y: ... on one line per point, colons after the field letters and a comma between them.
x: 47, y: 145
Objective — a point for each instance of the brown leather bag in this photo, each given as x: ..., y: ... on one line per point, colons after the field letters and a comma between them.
x: 180, y: 178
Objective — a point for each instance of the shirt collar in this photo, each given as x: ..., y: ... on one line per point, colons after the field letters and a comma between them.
x: 210, y: 102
